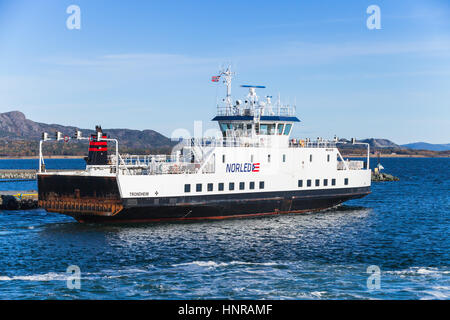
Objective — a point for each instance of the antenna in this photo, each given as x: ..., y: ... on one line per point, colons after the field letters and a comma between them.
x: 228, y: 76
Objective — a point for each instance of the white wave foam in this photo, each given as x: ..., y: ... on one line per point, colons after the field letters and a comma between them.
x: 214, y: 264
x: 317, y: 294
x: 51, y: 276
x: 438, y: 292
x: 419, y: 271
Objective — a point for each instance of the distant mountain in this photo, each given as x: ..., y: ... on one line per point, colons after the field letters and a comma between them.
x: 19, y: 136
x: 19, y: 133
x: 427, y: 146
x: 381, y: 143
x: 375, y: 143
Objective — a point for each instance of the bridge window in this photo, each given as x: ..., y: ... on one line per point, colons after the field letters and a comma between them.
x: 221, y: 186
x: 252, y: 185
x: 287, y: 129
x: 241, y: 185
x: 226, y: 126
x: 187, y: 188
x: 210, y: 187
x: 231, y: 186
x: 300, y: 183
x: 198, y: 188
x: 280, y: 128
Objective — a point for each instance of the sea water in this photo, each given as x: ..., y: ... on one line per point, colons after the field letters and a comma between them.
x: 401, y: 229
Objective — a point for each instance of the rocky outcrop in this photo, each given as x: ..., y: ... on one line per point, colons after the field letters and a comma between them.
x: 379, y: 177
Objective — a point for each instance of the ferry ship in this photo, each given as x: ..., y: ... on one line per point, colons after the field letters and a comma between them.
x: 253, y: 168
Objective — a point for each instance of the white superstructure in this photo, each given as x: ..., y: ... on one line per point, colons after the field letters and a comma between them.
x: 253, y: 163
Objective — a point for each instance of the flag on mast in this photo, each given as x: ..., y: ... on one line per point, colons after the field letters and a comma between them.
x: 215, y: 78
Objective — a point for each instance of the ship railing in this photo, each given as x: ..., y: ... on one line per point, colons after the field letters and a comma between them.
x: 241, y: 141
x: 306, y: 143
x: 158, y: 164
x: 282, y: 111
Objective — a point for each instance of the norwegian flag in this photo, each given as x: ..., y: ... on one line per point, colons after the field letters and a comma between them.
x: 255, y: 167
x: 215, y: 78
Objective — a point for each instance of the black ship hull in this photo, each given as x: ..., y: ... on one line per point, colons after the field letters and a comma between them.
x: 97, y: 199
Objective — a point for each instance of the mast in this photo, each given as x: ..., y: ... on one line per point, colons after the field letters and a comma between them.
x: 228, y: 76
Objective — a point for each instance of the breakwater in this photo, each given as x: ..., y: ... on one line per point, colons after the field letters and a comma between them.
x: 18, y: 200
x: 379, y: 177
x: 17, y: 174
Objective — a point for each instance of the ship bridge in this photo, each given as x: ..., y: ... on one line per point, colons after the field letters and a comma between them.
x: 252, y: 116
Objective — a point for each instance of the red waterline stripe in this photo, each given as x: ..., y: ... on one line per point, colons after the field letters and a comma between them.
x: 98, y: 149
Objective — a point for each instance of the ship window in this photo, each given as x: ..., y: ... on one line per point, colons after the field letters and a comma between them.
x: 263, y: 129
x: 210, y: 187
x: 241, y: 185
x: 268, y: 158
x: 257, y: 128
x: 346, y: 181
x: 310, y: 158
x: 231, y: 186
x: 261, y: 184
x: 333, y: 182
x: 287, y: 129
x: 187, y: 188
x: 223, y: 126
x: 284, y: 158
x: 226, y: 126
x: 223, y: 158
x: 300, y: 183
x: 317, y: 182
x: 271, y: 129
x: 251, y: 158
x: 325, y: 182
x: 308, y: 183
x: 198, y: 187
x: 252, y: 185
x: 280, y: 128
x: 328, y: 158
x: 221, y: 186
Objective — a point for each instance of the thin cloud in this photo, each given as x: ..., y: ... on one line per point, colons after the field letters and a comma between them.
x: 131, y: 59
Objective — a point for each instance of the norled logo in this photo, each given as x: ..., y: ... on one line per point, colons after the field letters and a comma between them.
x: 242, y: 167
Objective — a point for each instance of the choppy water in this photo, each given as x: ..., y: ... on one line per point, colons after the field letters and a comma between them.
x: 402, y: 227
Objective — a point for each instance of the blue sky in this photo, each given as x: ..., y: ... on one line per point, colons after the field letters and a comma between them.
x: 148, y: 64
